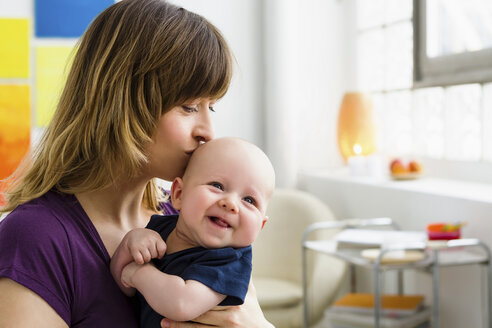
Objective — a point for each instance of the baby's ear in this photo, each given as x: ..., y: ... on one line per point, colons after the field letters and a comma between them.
x: 265, y: 219
x: 176, y: 192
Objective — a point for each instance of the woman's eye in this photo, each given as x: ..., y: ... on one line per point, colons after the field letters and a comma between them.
x: 211, y: 108
x: 250, y: 200
x: 217, y: 185
x: 189, y: 109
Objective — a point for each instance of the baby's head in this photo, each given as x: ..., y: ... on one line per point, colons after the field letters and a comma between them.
x: 224, y: 193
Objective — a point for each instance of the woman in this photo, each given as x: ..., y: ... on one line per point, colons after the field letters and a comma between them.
x: 137, y: 102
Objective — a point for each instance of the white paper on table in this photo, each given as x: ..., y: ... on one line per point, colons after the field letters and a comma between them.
x: 379, y: 238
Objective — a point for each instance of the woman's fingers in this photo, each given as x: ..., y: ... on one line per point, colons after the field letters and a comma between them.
x: 165, y: 323
x: 219, y: 316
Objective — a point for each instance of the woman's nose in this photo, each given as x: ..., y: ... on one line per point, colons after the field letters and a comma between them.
x: 229, y: 205
x: 204, y: 130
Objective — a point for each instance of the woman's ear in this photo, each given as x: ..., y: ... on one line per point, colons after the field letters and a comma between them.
x: 176, y: 192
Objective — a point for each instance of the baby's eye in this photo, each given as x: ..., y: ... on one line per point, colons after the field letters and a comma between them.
x: 217, y: 185
x: 250, y: 200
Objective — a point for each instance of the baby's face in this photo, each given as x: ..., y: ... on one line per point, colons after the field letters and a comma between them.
x: 226, y: 190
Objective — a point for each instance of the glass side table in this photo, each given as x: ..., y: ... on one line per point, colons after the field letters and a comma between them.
x: 434, y: 258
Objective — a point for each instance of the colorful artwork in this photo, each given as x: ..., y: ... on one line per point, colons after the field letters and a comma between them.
x: 66, y: 19
x: 14, y: 48
x: 52, y: 19
x: 15, y: 125
x: 52, y: 66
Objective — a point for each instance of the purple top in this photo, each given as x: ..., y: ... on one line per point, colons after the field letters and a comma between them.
x: 50, y: 246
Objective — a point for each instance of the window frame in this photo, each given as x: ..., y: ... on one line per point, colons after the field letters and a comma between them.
x: 462, y: 68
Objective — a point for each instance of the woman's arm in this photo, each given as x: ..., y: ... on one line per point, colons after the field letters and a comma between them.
x: 21, y: 307
x: 247, y: 315
x: 170, y: 295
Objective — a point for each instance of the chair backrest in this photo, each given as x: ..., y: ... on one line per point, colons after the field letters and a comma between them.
x: 277, y: 252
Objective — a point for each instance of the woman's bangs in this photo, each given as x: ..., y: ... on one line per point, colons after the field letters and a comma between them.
x: 218, y: 80
x: 212, y: 71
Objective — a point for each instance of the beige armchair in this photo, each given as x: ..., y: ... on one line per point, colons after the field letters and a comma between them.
x: 277, y: 261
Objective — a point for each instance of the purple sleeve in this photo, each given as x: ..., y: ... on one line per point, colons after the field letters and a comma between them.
x: 166, y: 206
x: 36, y: 254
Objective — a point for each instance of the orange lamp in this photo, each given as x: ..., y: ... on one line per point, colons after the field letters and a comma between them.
x: 356, y: 133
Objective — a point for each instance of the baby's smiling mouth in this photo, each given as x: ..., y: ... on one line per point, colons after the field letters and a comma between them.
x: 219, y: 222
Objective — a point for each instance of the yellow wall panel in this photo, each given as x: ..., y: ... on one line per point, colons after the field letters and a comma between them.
x: 14, y: 48
x: 52, y: 66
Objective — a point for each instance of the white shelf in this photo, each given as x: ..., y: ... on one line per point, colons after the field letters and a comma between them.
x: 475, y: 191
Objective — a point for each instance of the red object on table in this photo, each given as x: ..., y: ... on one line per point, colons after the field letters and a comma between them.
x: 442, y: 231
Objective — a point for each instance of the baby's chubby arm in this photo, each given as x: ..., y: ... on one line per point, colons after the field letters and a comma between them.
x: 170, y: 295
x: 140, y: 246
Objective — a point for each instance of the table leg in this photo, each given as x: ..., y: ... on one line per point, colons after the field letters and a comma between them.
x: 377, y: 293
x: 353, y: 279
x: 435, y: 288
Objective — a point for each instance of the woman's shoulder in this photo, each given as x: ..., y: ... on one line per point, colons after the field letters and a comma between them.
x: 37, y: 219
x: 44, y: 205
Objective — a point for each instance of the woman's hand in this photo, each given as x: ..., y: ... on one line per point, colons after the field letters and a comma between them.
x: 247, y: 315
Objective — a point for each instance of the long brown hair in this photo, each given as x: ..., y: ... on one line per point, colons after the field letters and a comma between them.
x: 138, y: 59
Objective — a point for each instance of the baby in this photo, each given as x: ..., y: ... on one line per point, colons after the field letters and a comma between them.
x: 202, y: 258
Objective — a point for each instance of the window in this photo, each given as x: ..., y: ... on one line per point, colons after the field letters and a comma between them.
x: 443, y: 122
x: 453, y: 42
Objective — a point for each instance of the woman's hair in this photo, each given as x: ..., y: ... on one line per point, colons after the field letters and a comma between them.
x: 138, y: 59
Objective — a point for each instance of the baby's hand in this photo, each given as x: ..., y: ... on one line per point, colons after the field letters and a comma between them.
x: 145, y: 244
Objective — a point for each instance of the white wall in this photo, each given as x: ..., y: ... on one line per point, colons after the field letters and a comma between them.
x: 308, y: 66
x: 327, y: 70
x: 240, y: 112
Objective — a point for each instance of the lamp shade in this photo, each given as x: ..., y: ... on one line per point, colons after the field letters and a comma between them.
x: 356, y: 133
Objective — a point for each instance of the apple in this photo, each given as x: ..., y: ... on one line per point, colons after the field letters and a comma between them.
x: 397, y: 166
x: 415, y: 166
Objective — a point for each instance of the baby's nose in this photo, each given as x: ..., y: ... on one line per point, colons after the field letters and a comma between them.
x: 228, y: 204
